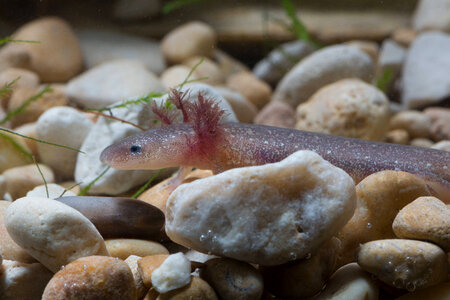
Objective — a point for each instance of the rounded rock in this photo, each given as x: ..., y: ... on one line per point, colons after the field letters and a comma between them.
x: 172, y: 274
x: 442, y: 145
x: 440, y: 128
x: 380, y: 197
x: 421, y: 142
x: 276, y: 113
x: 232, y: 279
x: 252, y: 88
x: 57, y: 57
x: 20, y: 280
x: 54, y: 191
x: 52, y: 232
x: 397, y: 136
x: 122, y: 248
x: 197, y: 289
x: 404, y: 264
x: 12, y: 156
x: 349, y: 108
x: 202, y: 41
x: 141, y: 289
x: 119, y: 217
x: 222, y: 214
x: 23, y: 78
x: 175, y: 75
x: 325, y: 66
x: 245, y: 110
x: 208, y: 69
x: 56, y: 125
x: 426, y: 218
x: 92, y: 277
x: 416, y: 123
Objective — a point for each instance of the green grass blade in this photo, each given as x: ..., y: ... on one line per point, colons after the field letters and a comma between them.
x: 383, y: 81
x: 22, y: 107
x: 42, y: 175
x: 177, y: 4
x: 86, y: 189
x: 41, y: 141
x: 191, y: 72
x: 17, y: 145
x: 142, y: 100
x: 147, y: 184
x: 8, y: 39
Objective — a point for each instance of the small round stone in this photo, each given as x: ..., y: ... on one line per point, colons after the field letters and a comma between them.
x: 255, y: 90
x: 426, y: 218
x: 397, y: 136
x: 232, y: 279
x: 52, y: 232
x: 421, y: 142
x: 122, y: 248
x: 416, y: 123
x: 404, y: 264
x: 92, y: 277
x: 197, y: 289
x: 442, y: 145
x: 276, y: 113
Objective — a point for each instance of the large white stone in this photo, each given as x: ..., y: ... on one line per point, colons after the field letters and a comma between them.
x: 325, y: 66
x: 432, y: 14
x: 268, y: 214
x: 426, y: 77
x: 111, y: 82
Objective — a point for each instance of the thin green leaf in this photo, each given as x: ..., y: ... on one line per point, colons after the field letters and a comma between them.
x: 191, y: 72
x: 147, y: 184
x: 42, y: 175
x: 17, y: 145
x: 41, y: 141
x: 142, y: 100
x: 298, y: 28
x: 6, y: 89
x: 86, y: 189
x: 383, y: 81
x: 22, y: 107
x: 176, y: 4
x: 68, y: 189
x: 8, y: 39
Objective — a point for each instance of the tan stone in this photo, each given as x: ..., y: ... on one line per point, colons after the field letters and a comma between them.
x: 442, y: 145
x: 52, y: 232
x: 198, y: 289
x: 421, y: 142
x: 190, y: 39
x: 416, y: 123
x: 13, y: 152
x: 8, y: 248
x: 404, y: 264
x: 29, y: 129
x: 397, y: 136
x: 175, y: 75
x: 379, y: 198
x: 349, y: 107
x: 147, y: 265
x: 122, y: 248
x: 245, y: 110
x: 20, y: 180
x: 278, y: 114
x: 92, y: 277
x: 426, y: 218
x: 208, y: 69
x: 141, y: 289
x: 255, y: 90
x: 404, y: 36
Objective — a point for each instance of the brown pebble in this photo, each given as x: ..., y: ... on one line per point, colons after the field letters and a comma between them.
x: 197, y: 289
x: 278, y: 114
x: 119, y: 217
x: 148, y: 264
x: 92, y: 277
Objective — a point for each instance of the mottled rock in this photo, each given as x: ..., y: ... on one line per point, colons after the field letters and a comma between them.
x: 209, y: 214
x: 432, y: 14
x: 425, y: 77
x: 113, y: 81
x: 57, y: 125
x: 325, y: 66
x: 426, y: 218
x: 380, y: 197
x: 303, y: 278
x: 57, y: 57
x: 349, y: 282
x: 116, y: 217
x: 349, y: 107
x: 9, y: 250
x: 53, y: 233
x: 20, y: 280
x: 35, y: 108
x: 122, y: 248
x: 20, y: 180
x: 202, y: 41
x: 404, y: 264
x: 92, y: 277
x: 416, y: 123
x: 276, y: 113
x: 255, y: 90
x: 245, y: 110
x: 100, y: 46
x: 232, y: 279
x: 280, y: 60
x: 197, y: 289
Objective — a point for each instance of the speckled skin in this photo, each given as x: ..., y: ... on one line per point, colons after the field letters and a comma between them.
x: 238, y: 145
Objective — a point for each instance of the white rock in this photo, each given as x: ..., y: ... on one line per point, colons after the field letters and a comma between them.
x: 325, y: 66
x: 54, y: 191
x: 65, y: 126
x: 425, y: 77
x: 432, y: 14
x: 52, y: 232
x: 280, y: 60
x: 23, y: 281
x: 391, y: 55
x: 111, y: 82
x: 136, y: 9
x: 100, y: 46
x: 174, y: 273
x: 267, y: 214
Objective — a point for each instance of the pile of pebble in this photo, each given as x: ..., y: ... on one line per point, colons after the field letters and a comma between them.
x: 296, y: 229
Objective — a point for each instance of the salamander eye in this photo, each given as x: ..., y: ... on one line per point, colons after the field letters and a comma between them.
x: 135, y: 149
